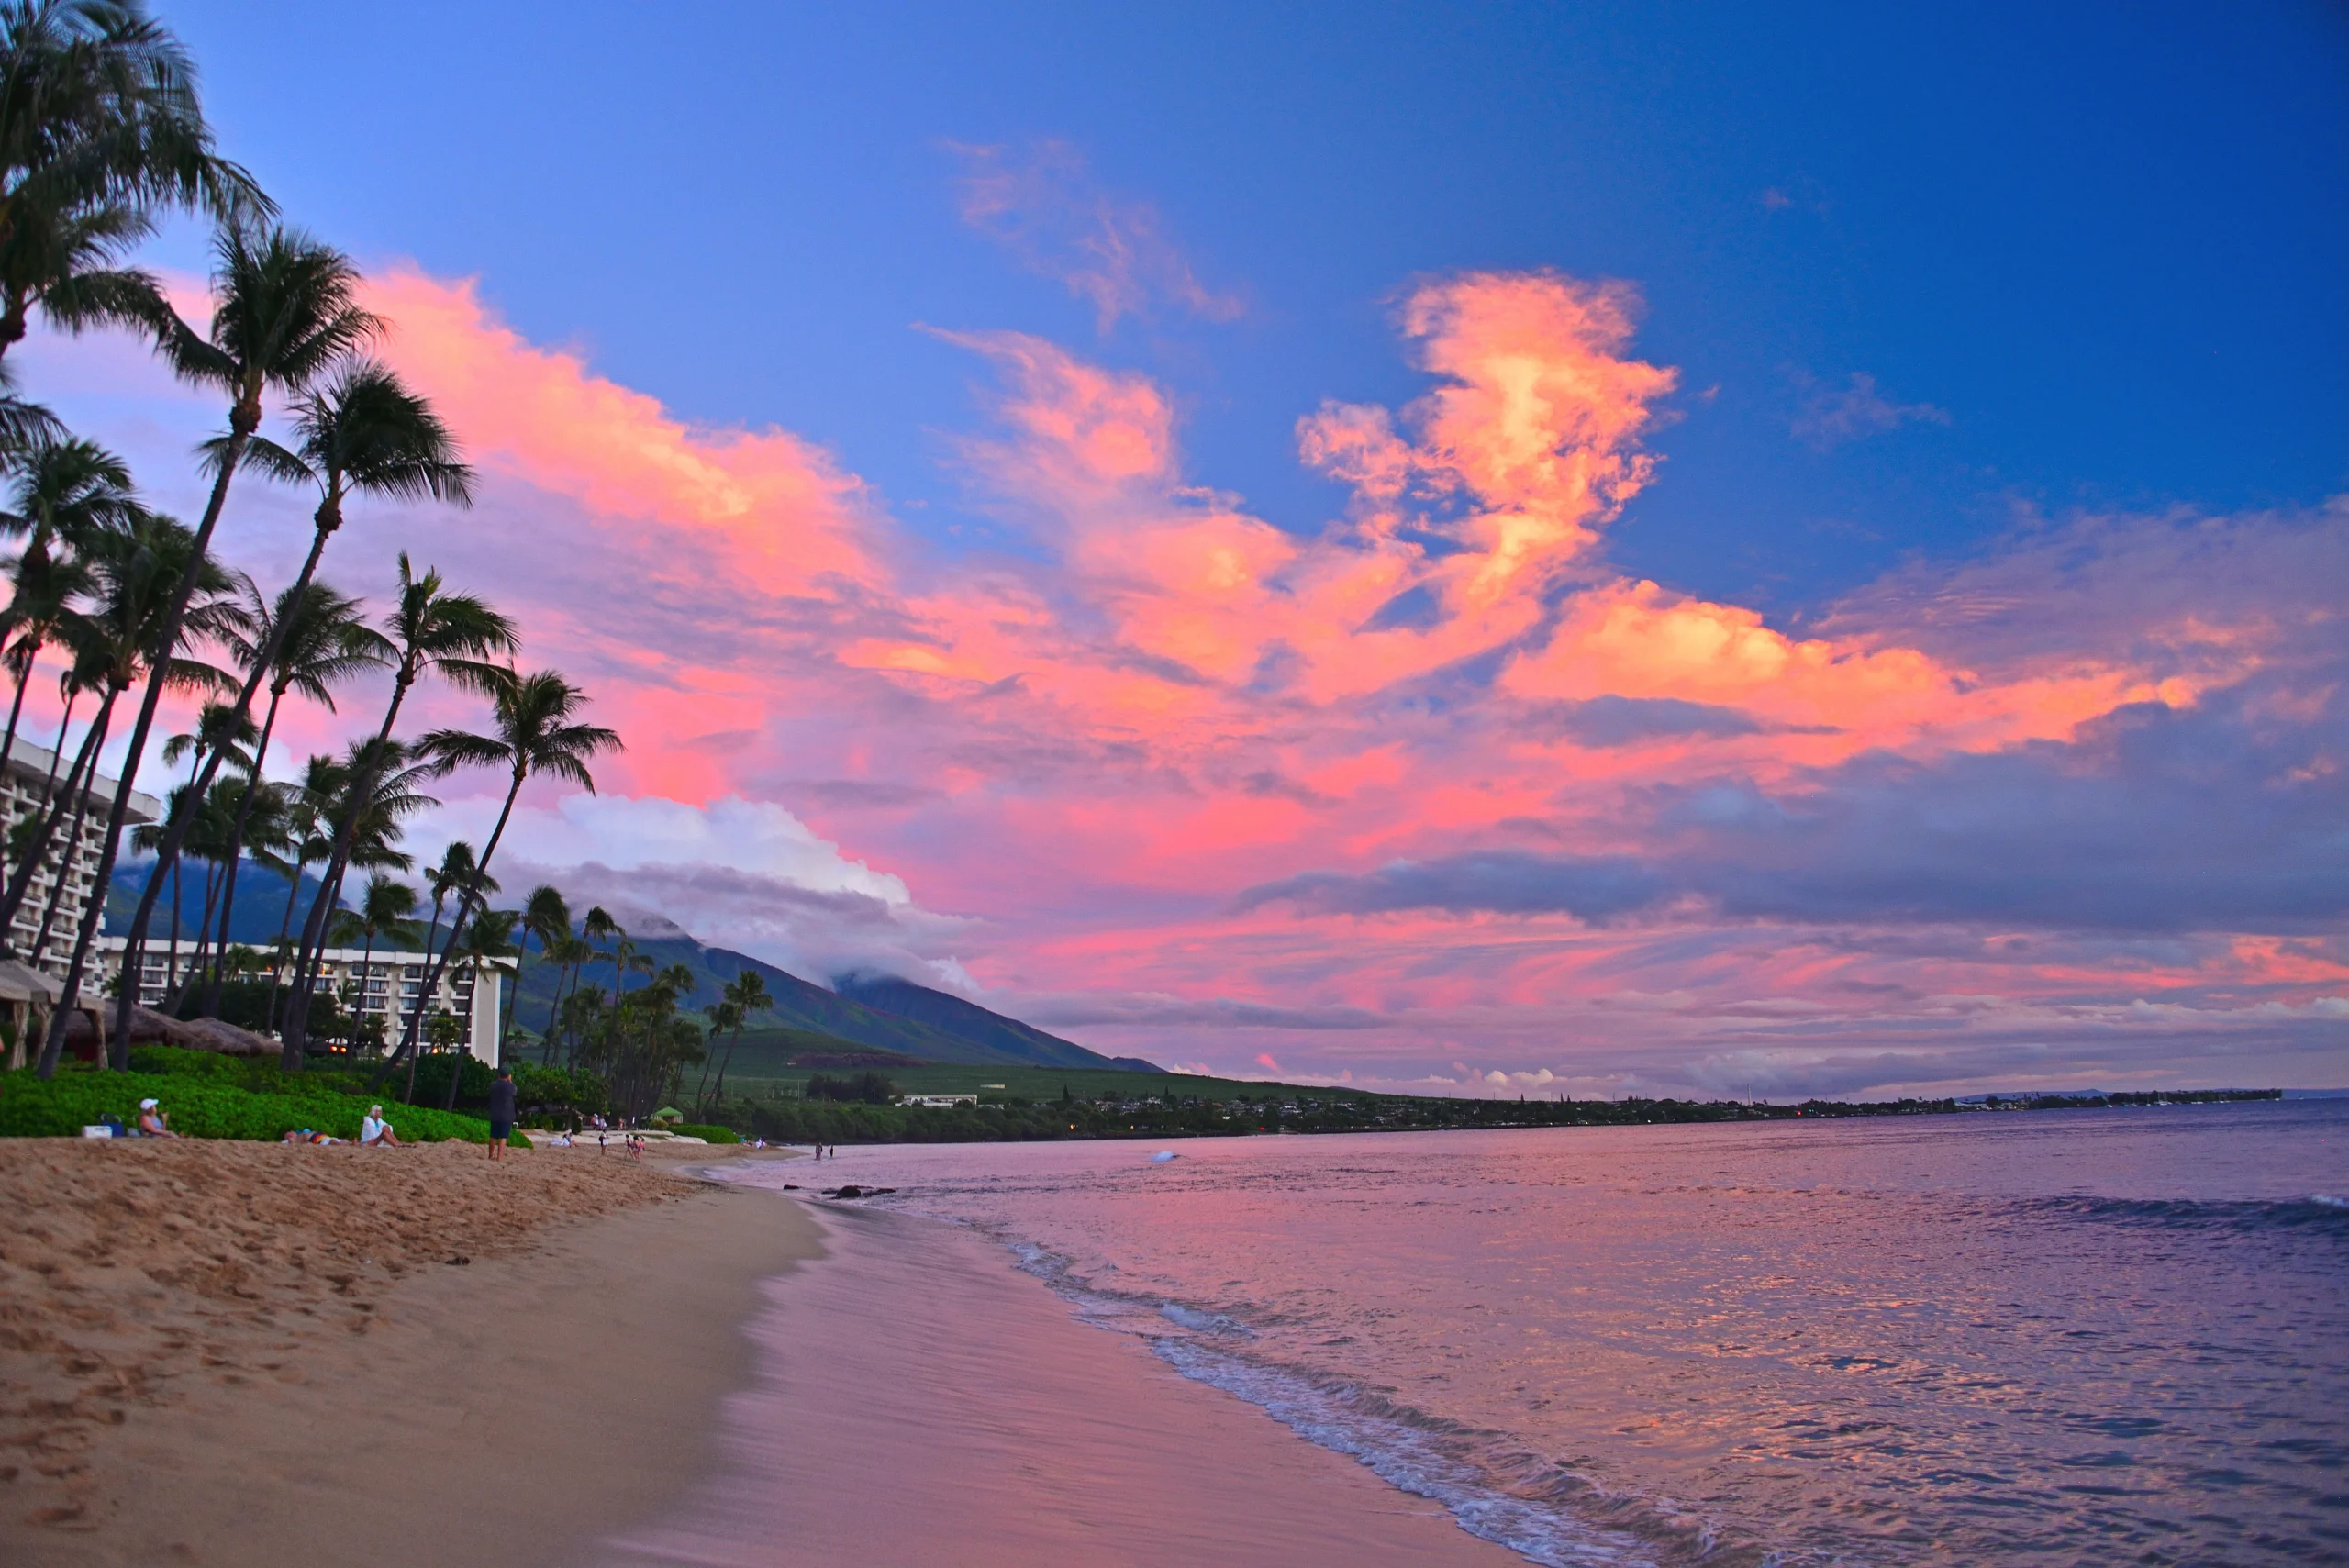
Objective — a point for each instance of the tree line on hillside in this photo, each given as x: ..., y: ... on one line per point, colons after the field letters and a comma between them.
x: 843, y: 1112
x: 102, y: 133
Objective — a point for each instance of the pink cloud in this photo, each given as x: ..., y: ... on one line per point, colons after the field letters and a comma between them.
x: 1089, y: 751
x: 1043, y: 206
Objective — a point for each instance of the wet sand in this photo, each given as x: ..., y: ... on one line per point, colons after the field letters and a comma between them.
x: 920, y: 1401
x: 254, y: 1354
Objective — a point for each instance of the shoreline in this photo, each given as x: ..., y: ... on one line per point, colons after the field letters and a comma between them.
x: 700, y: 1369
x: 379, y: 1408
x: 919, y: 1400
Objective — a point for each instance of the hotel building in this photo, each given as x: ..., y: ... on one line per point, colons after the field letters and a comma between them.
x: 24, y: 785
x: 383, y: 986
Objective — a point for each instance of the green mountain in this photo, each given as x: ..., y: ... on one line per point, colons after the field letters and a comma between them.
x: 892, y: 1014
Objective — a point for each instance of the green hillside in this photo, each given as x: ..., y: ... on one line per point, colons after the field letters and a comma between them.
x: 891, y: 1016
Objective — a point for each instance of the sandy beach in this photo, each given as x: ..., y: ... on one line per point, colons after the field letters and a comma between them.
x: 242, y: 1354
x: 255, y: 1354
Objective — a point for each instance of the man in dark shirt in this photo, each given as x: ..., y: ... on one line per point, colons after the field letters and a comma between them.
x: 501, y: 1112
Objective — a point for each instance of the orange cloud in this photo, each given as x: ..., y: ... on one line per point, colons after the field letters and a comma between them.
x: 782, y: 510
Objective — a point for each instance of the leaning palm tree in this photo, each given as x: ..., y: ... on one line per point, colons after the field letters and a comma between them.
x: 306, y: 836
x: 384, y: 908
x: 452, y: 635
x: 320, y: 640
x: 566, y: 953
x: 361, y: 434
x: 546, y: 916
x: 479, y: 947
x: 100, y: 125
x: 379, y: 786
x: 285, y: 310
x: 538, y: 732
x: 747, y: 993
x: 456, y: 871
x: 724, y: 1017
x: 145, y: 605
x: 131, y: 572
x: 64, y: 492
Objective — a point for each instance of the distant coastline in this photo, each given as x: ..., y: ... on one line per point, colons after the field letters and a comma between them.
x: 1227, y: 1110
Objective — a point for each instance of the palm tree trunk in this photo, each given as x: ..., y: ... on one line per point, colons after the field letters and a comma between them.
x: 54, y: 1046
x: 37, y: 847
x: 172, y: 966
x: 285, y: 926
x: 464, y: 905
x: 731, y: 1041
x: 16, y: 707
x: 457, y: 1068
x: 64, y: 864
x: 242, y: 420
x: 253, y: 786
x: 310, y: 959
x: 176, y: 831
x: 506, y: 1019
x: 185, y: 991
x: 563, y: 982
x: 64, y: 727
x: 297, y: 1011
x: 366, y: 973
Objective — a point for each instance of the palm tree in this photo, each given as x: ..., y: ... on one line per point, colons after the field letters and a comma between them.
x: 130, y: 573
x: 726, y: 1018
x: 452, y: 635
x: 64, y: 491
x: 747, y: 992
x: 99, y: 126
x: 383, y: 910
x: 379, y: 783
x: 364, y: 433
x: 217, y: 730
x: 566, y: 953
x: 546, y: 916
x: 598, y: 926
x: 456, y: 871
x: 487, y: 938
x: 144, y: 605
x: 319, y: 639
x: 538, y: 732
x: 286, y: 310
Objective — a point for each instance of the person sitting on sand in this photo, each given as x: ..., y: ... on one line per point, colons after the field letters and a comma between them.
x: 151, y: 1121
x: 374, y: 1133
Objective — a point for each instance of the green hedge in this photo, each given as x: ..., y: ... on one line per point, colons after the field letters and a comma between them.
x: 707, y: 1134
x: 200, y: 1105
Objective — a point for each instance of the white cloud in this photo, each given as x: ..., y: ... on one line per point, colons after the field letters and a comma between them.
x: 737, y: 874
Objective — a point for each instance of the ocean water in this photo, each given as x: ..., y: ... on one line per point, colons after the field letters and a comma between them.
x: 2094, y: 1337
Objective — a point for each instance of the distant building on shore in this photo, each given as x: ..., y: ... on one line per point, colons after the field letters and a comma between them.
x: 938, y: 1102
x: 476, y: 997
x: 27, y: 789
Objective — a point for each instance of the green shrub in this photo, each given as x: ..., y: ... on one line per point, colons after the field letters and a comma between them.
x: 200, y: 1105
x: 707, y: 1134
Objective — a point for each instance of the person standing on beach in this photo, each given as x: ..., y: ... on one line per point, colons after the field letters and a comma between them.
x: 501, y: 1112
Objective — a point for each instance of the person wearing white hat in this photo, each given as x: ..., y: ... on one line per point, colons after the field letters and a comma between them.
x: 152, y: 1121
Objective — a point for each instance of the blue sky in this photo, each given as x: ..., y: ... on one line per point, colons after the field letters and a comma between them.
x: 2108, y: 254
